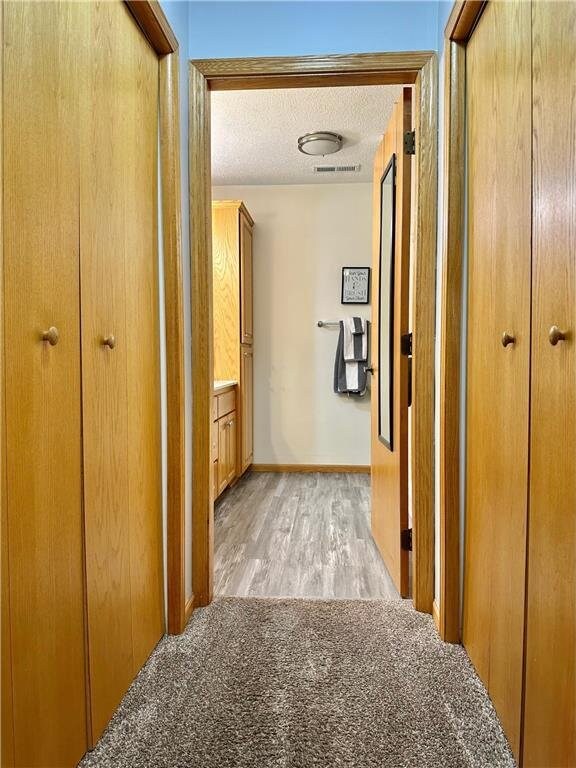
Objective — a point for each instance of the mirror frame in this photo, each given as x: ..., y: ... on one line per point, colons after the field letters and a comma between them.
x: 388, y: 440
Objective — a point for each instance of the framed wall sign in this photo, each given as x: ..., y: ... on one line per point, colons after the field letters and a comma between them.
x: 355, y: 285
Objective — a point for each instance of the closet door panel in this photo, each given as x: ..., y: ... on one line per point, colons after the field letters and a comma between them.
x: 550, y: 697
x: 107, y: 142
x: 42, y: 388
x: 140, y: 112
x: 499, y: 253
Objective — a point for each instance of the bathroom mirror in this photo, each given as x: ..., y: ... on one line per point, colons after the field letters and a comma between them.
x: 386, y: 307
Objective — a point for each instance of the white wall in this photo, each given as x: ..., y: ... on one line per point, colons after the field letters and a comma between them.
x: 304, y: 235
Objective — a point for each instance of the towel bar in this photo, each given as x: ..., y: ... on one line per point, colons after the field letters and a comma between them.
x: 326, y: 323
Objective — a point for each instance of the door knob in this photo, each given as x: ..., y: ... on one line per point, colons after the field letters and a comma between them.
x: 109, y: 341
x: 51, y: 336
x: 507, y: 338
x: 555, y: 335
x: 369, y: 369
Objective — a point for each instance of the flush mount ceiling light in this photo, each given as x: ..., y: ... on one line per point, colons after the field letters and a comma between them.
x: 320, y: 143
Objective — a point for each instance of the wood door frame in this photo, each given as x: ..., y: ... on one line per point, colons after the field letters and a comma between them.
x: 154, y: 25
x: 419, y: 69
x: 460, y: 25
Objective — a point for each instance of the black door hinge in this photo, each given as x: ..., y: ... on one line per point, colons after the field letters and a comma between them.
x: 406, y: 344
x: 406, y: 539
x: 410, y: 143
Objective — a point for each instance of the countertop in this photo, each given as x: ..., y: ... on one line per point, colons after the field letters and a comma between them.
x: 220, y: 386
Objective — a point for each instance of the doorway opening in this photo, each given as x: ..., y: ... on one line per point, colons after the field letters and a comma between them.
x: 417, y: 70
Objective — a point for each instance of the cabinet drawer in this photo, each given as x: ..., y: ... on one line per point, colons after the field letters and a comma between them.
x: 214, y: 408
x: 226, y: 403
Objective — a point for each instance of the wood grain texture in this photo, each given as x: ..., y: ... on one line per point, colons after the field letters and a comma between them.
x: 246, y: 281
x: 119, y: 296
x: 550, y: 665
x: 255, y: 82
x: 226, y: 289
x: 42, y: 516
x: 463, y: 18
x: 336, y: 65
x: 389, y: 510
x: 246, y: 433
x: 174, y: 318
x: 423, y: 327
x: 499, y: 257
x: 104, y: 377
x: 6, y: 702
x: 202, y: 330
x: 451, y: 339
x: 436, y: 616
x: 154, y: 24
x: 140, y: 103
x: 330, y: 468
x: 270, y: 538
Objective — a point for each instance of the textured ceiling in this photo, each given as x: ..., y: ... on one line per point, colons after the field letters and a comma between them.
x: 255, y: 133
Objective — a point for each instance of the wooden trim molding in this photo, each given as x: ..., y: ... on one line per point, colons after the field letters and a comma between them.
x: 451, y: 329
x: 436, y: 615
x: 423, y: 325
x: 174, y: 313
x: 189, y: 609
x: 312, y: 71
x: 156, y: 28
x: 202, y: 334
x: 154, y: 24
x: 463, y: 19
x: 354, y: 468
x: 419, y: 68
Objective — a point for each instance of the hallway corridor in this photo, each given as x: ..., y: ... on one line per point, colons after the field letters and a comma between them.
x: 261, y: 683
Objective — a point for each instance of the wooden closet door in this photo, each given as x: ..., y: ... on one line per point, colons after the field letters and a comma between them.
x: 42, y: 387
x: 550, y: 696
x: 499, y: 256
x: 140, y: 187
x: 120, y: 377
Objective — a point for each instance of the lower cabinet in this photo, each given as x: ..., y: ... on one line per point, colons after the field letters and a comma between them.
x: 246, y: 395
x: 224, y: 441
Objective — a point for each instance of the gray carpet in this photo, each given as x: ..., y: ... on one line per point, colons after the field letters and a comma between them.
x: 265, y: 683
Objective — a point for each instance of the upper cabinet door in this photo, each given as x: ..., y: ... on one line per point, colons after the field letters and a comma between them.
x: 499, y: 105
x: 43, y: 461
x: 246, y: 290
x: 550, y: 695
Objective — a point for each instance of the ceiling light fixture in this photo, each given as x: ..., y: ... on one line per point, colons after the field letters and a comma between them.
x: 320, y: 143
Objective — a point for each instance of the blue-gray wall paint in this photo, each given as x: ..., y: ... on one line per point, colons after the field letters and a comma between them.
x: 228, y: 29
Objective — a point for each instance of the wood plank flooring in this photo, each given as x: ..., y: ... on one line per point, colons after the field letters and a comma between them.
x: 298, y: 535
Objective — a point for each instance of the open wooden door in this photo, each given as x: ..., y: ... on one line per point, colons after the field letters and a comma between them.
x: 390, y: 343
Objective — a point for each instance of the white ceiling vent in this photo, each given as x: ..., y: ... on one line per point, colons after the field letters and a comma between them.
x: 337, y: 168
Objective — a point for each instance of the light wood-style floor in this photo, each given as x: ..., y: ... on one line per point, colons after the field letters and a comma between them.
x: 298, y: 535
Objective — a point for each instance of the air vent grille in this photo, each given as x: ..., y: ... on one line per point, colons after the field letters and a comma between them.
x: 336, y: 168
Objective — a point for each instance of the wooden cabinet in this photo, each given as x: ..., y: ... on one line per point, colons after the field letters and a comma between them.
x: 232, y: 239
x: 247, y: 399
x: 520, y: 558
x: 224, y: 440
x: 84, y: 583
